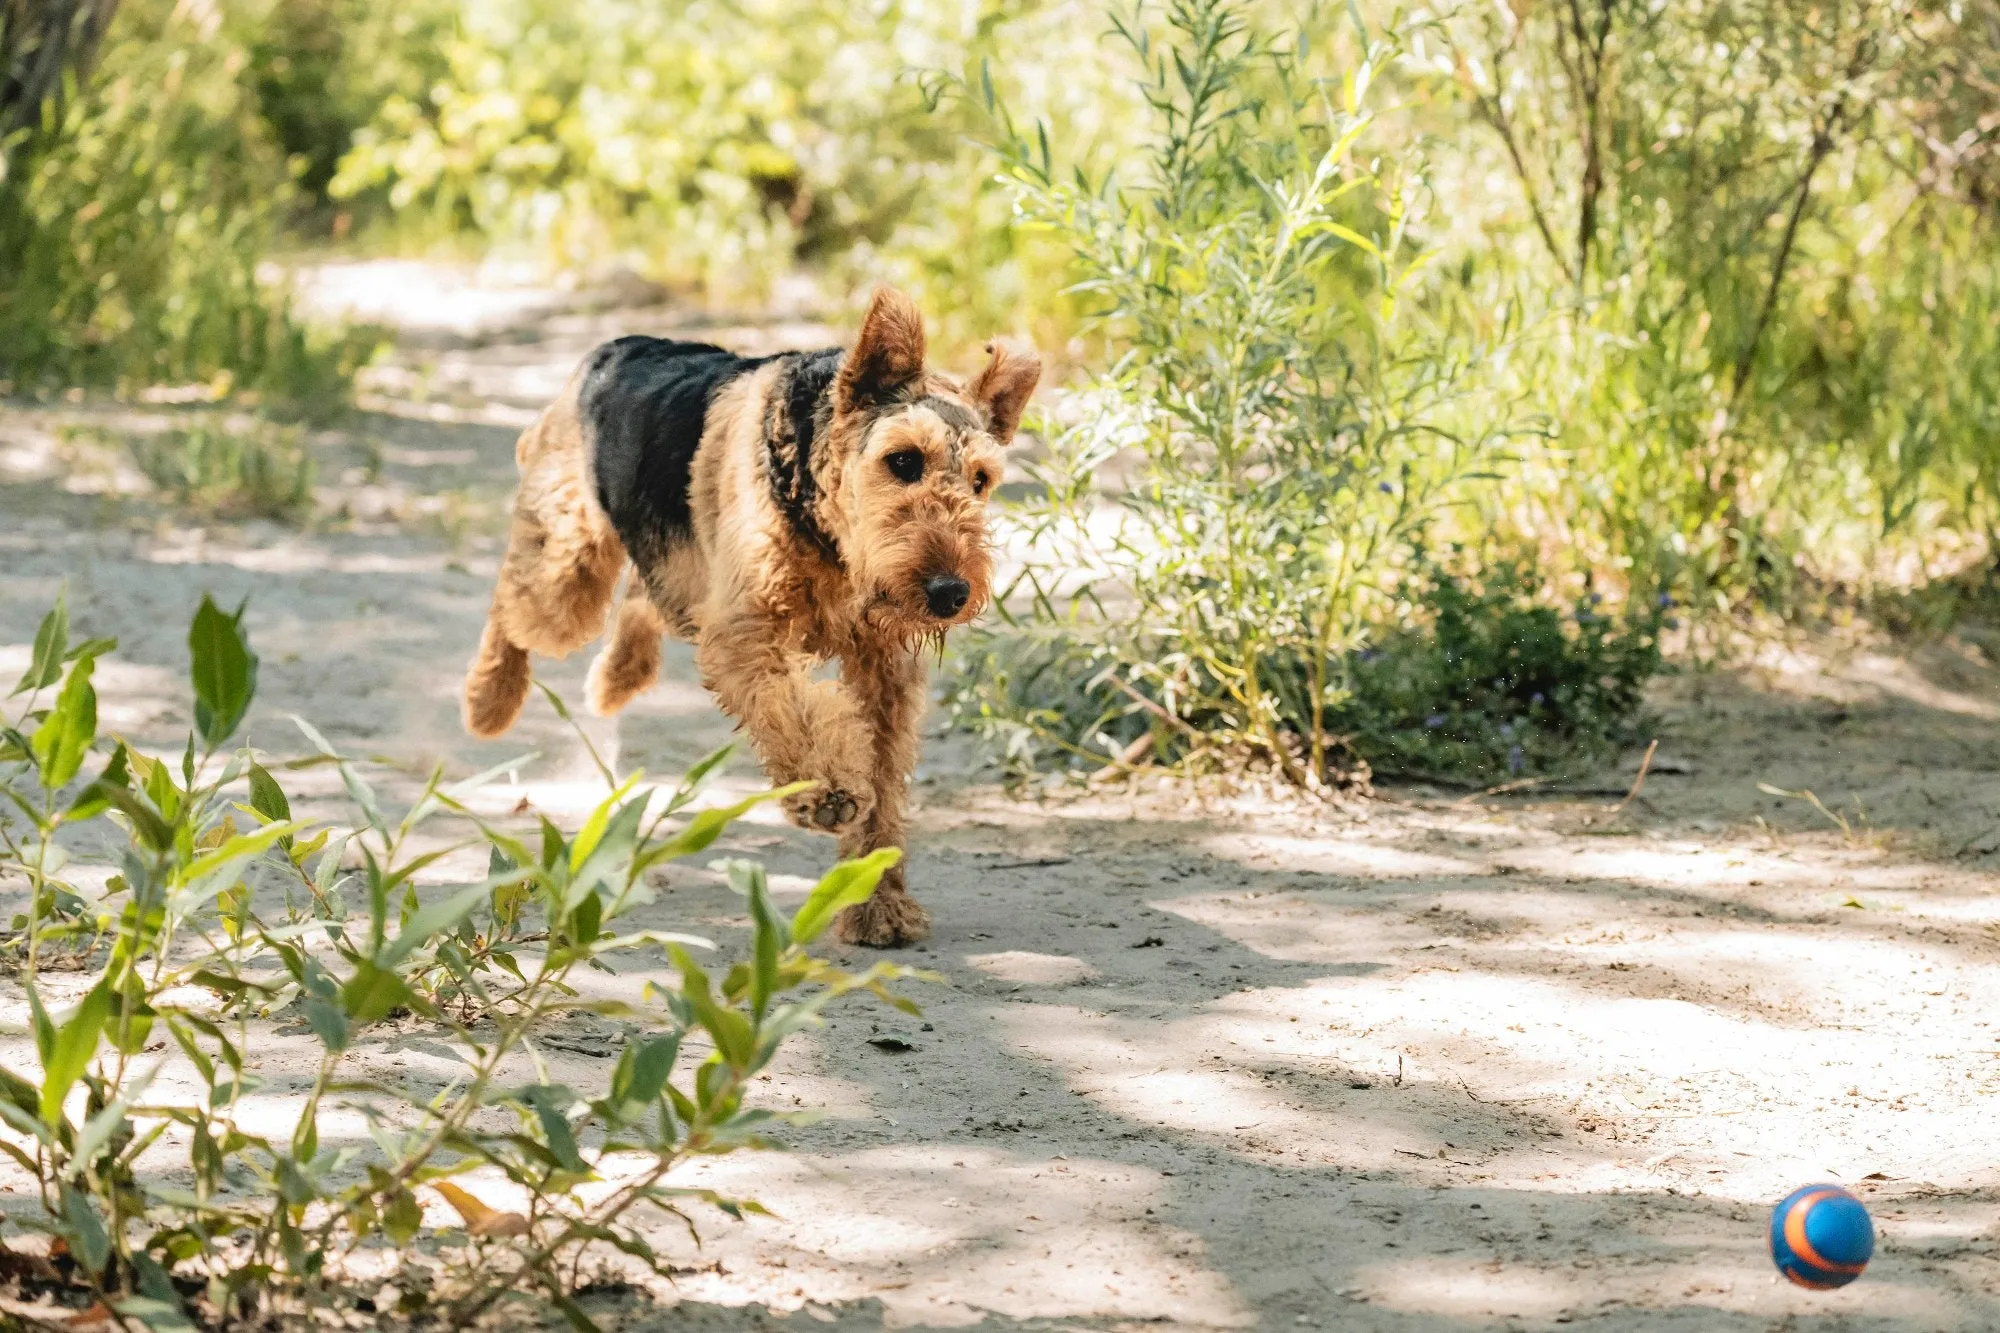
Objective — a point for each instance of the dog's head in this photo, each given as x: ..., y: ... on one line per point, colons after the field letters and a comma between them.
x: 920, y: 456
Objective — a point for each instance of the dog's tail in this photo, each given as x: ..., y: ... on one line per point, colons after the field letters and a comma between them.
x: 496, y: 684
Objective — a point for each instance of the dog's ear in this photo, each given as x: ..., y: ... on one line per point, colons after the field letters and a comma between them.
x: 1004, y: 387
x: 887, y: 355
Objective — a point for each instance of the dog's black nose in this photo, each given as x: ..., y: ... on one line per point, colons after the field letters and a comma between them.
x: 945, y: 594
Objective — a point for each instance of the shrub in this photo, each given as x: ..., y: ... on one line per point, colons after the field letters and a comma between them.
x: 169, y: 1202
x: 1490, y: 683
x: 1298, y: 407
x: 133, y: 223
x: 1759, y: 232
x: 1475, y: 679
x: 263, y: 470
x: 713, y: 141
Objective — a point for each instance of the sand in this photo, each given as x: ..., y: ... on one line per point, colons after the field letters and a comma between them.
x: 1450, y: 1062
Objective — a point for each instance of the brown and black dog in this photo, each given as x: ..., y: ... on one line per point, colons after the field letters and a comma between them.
x: 780, y: 512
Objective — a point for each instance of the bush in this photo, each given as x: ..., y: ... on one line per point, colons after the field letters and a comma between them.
x: 1483, y: 681
x: 1759, y: 233
x: 169, y: 1203
x: 132, y: 227
x: 1492, y: 684
x: 1299, y: 407
x: 713, y: 141
x: 262, y: 471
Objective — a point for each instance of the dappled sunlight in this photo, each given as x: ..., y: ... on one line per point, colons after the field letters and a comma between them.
x: 972, y: 1229
x: 194, y: 548
x: 1474, y: 1290
x: 1211, y: 1075
x: 1336, y: 856
x: 1035, y: 969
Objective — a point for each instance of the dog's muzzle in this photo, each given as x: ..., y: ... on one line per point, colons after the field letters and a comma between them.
x: 945, y: 595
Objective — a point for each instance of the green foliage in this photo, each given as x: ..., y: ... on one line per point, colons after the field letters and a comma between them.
x: 134, y: 220
x: 1758, y: 231
x: 190, y: 949
x: 714, y: 141
x: 1489, y: 683
x: 1298, y: 421
x: 1475, y: 679
x: 260, y: 469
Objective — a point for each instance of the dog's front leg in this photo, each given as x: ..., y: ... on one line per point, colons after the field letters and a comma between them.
x: 804, y: 730
x: 886, y: 682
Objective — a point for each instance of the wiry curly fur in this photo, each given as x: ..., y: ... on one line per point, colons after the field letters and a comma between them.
x: 780, y: 513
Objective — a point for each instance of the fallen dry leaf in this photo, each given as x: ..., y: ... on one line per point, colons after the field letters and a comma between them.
x: 480, y: 1220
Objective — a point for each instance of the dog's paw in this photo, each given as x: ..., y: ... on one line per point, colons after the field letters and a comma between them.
x: 831, y: 807
x: 889, y: 920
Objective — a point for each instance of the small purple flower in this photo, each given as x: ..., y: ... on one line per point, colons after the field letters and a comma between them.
x: 1385, y: 488
x: 1666, y: 599
x: 1517, y: 759
x: 1535, y: 698
x: 1434, y: 721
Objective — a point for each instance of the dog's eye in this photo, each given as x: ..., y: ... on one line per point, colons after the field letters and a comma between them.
x: 907, y: 465
x: 980, y: 481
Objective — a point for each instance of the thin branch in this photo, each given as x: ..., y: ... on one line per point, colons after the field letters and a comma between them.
x: 1495, y: 114
x: 1822, y: 147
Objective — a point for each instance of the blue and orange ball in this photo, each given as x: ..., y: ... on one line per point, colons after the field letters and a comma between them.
x: 1821, y: 1237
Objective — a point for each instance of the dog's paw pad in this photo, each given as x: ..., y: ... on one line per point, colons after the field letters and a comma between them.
x: 828, y: 809
x: 834, y: 809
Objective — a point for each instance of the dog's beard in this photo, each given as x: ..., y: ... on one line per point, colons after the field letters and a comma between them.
x: 897, y: 618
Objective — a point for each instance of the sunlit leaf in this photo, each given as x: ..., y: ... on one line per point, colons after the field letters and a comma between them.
x: 223, y: 671
x: 845, y: 885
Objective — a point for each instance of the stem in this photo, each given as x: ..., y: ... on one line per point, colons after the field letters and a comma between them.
x: 1822, y: 146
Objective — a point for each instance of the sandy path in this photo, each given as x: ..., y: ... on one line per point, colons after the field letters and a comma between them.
x: 1467, y: 1064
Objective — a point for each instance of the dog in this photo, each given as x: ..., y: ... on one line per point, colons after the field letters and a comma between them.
x: 780, y: 512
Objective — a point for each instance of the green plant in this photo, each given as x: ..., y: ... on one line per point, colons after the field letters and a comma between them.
x: 1469, y: 678
x: 1298, y: 414
x: 134, y: 216
x: 1757, y: 232
x: 264, y: 470
x: 170, y: 1204
x: 1489, y: 683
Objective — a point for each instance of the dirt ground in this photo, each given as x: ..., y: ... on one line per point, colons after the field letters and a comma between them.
x: 1456, y: 1063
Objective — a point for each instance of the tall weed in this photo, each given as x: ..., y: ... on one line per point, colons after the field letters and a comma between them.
x: 1297, y: 417
x: 134, y: 221
x: 1757, y: 231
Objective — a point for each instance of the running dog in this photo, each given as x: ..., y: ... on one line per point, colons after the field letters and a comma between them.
x: 779, y: 512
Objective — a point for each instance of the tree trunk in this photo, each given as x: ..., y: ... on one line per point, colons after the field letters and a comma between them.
x: 40, y: 42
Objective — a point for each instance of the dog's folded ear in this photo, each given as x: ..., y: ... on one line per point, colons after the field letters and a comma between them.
x: 1004, y: 387
x: 887, y: 355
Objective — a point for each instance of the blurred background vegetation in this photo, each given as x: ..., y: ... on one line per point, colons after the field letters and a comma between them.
x: 1423, y: 371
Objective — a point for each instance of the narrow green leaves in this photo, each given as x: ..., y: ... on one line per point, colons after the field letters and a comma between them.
x: 69, y: 1050
x: 432, y: 920
x: 51, y: 642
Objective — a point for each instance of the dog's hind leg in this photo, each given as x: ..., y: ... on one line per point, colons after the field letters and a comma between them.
x: 556, y: 579
x: 496, y: 684
x: 630, y: 663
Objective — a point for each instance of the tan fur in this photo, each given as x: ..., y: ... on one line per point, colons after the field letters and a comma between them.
x: 630, y: 663
x: 762, y: 606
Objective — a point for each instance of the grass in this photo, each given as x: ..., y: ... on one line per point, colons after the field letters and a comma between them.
x: 260, y: 470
